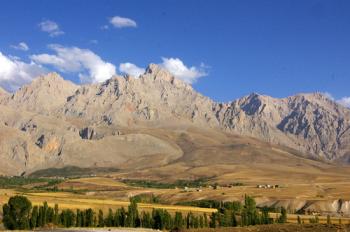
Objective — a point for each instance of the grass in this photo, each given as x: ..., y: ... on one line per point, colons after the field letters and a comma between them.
x: 78, y: 201
x: 71, y: 171
x: 16, y: 182
x: 202, y: 182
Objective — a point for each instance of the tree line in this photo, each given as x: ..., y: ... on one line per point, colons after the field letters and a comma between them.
x: 18, y: 214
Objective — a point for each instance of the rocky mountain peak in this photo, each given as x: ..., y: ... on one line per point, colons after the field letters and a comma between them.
x: 44, y: 94
x: 158, y: 73
x: 310, y: 123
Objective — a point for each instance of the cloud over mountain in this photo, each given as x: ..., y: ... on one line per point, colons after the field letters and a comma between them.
x: 89, y: 66
x: 14, y: 73
x: 176, y: 67
x: 131, y: 69
x: 345, y: 101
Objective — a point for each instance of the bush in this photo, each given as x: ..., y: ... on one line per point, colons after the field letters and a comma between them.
x: 16, y: 213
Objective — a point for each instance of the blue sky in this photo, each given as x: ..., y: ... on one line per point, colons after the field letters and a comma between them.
x: 226, y: 49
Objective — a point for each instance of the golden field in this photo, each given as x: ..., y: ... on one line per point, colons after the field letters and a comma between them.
x: 95, y: 197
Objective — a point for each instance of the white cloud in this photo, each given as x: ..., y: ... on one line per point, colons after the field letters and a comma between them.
x: 51, y: 27
x: 14, y: 72
x: 89, y: 66
x: 328, y: 95
x: 131, y: 69
x: 21, y: 46
x: 345, y: 101
x: 176, y: 67
x: 121, y: 22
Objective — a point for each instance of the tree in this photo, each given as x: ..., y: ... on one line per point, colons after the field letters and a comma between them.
x: 56, y: 215
x: 41, y: 217
x: 146, y: 221
x: 227, y: 218
x: 201, y: 221
x: 283, y: 217
x: 100, y: 219
x: 89, y: 218
x: 110, y: 218
x: 178, y: 221
x: 34, y: 217
x: 16, y: 213
x: 264, y: 216
x: 133, y: 219
x: 168, y: 222
x: 249, y: 213
x: 45, y: 213
x: 233, y: 219
x: 67, y: 218
x: 78, y: 220
x: 158, y: 222
x: 205, y: 220
x: 299, y: 220
x: 195, y: 222
x: 213, y: 219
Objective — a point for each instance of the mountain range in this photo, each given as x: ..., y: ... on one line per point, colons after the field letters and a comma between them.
x: 154, y: 123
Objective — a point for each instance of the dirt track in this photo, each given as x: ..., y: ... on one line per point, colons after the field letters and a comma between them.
x: 281, y: 228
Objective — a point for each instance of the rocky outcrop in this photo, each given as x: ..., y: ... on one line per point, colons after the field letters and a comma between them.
x: 312, y: 124
x: 89, y: 133
x: 45, y: 95
x: 154, y: 97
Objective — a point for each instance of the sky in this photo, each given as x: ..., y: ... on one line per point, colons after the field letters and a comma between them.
x: 224, y: 49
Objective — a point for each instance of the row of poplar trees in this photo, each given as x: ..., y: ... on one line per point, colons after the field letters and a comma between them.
x: 18, y: 214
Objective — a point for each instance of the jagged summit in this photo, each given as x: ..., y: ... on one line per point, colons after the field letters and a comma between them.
x: 44, y: 94
x: 313, y: 124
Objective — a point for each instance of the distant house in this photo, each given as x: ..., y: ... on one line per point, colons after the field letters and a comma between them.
x: 267, y: 186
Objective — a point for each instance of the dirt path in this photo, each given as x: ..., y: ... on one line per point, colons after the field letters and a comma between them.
x: 281, y: 228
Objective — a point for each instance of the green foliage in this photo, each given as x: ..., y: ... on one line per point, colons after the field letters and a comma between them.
x: 178, y: 184
x: 146, y: 221
x: 72, y: 171
x: 235, y: 205
x: 101, y: 222
x: 265, y: 216
x: 67, y: 218
x: 314, y: 220
x: 283, y: 217
x: 249, y: 213
x: 133, y: 219
x: 161, y: 219
x: 17, y: 181
x: 16, y: 213
x: 178, y: 220
x: 146, y: 198
x: 34, y: 217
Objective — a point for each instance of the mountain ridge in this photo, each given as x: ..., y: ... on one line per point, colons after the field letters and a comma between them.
x: 58, y: 118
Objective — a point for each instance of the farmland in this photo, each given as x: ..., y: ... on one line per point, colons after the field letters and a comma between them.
x: 108, y: 193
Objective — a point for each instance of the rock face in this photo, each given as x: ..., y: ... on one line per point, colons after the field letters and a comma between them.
x: 155, y: 97
x: 59, y: 123
x: 311, y: 123
x: 44, y: 95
